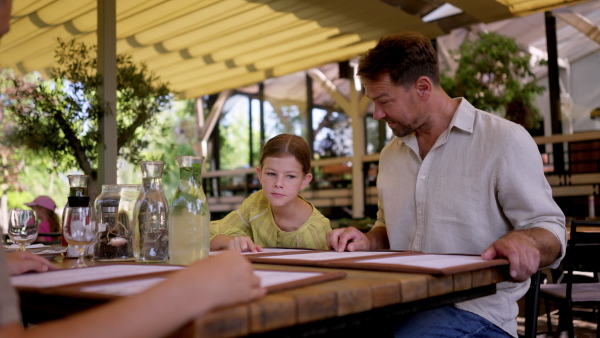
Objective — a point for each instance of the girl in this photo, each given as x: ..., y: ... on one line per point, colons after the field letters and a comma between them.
x: 275, y: 216
x: 44, y: 206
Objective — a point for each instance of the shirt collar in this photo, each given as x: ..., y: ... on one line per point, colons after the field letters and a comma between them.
x: 464, y: 117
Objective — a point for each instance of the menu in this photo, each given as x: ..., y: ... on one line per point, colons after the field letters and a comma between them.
x: 90, y: 274
x: 111, y: 281
x: 398, y: 261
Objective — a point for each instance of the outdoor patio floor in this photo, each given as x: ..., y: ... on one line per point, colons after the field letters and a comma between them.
x: 584, y: 323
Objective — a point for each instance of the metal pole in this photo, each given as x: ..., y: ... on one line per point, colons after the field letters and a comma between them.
x: 554, y: 89
x: 261, y: 99
x: 107, y: 92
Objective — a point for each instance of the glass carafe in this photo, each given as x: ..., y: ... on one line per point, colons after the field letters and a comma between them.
x: 78, y: 187
x: 151, y: 214
x: 114, y: 215
x: 189, y: 216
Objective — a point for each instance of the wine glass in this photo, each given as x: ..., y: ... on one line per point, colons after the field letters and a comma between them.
x: 79, y: 230
x: 22, y: 227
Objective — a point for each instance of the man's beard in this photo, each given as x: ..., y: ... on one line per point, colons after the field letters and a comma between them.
x: 400, y: 130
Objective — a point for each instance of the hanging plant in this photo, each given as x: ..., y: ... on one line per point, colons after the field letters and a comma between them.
x: 495, y: 75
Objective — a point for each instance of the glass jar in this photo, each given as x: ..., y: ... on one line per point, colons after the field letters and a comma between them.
x: 189, y: 216
x: 114, y: 214
x: 129, y: 195
x: 151, y: 214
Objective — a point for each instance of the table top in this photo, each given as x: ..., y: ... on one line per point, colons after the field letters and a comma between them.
x: 359, y: 294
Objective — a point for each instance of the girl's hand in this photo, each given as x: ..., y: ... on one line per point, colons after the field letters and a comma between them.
x: 244, y: 244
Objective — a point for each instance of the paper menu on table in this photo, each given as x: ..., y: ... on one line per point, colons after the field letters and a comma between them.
x: 427, y: 261
x: 437, y: 264
x: 393, y: 261
x: 273, y: 280
x: 266, y: 251
x: 324, y: 255
x: 72, y: 276
x: 276, y: 250
x: 270, y: 278
x: 14, y: 247
x: 128, y: 288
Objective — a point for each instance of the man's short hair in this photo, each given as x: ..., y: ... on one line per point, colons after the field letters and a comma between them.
x: 405, y: 56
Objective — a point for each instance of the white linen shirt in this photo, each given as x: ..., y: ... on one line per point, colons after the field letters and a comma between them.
x: 483, y: 178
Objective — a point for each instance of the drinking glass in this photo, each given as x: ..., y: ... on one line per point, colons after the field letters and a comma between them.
x: 80, y: 230
x: 22, y: 227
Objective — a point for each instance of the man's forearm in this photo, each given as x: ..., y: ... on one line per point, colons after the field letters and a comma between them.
x: 378, y: 238
x: 546, y: 242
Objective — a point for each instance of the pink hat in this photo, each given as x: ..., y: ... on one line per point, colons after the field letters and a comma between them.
x: 44, y: 202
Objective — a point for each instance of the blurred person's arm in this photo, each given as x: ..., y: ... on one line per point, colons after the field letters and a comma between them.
x: 20, y: 262
x: 222, y: 280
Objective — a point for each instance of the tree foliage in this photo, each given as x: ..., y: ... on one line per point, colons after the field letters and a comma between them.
x: 59, y: 117
x: 495, y: 75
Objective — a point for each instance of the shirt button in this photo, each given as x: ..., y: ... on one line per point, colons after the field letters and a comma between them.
x: 420, y: 212
x: 422, y: 177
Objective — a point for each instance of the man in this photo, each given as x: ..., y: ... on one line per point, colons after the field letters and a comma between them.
x: 455, y: 179
x: 187, y: 294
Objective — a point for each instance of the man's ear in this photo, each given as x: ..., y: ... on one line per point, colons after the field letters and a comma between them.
x: 424, y: 87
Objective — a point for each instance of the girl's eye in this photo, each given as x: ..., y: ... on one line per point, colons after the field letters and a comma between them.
x: 291, y: 177
x: 270, y: 174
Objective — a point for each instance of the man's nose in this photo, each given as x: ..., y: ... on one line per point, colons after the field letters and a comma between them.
x: 378, y: 113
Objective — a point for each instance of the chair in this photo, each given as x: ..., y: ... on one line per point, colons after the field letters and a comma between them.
x: 583, y: 254
x: 532, y: 306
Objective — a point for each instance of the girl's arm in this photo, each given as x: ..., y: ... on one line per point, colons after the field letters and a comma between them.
x: 220, y: 242
x: 236, y: 224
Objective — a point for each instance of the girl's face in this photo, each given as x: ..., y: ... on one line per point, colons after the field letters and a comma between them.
x: 282, y: 179
x: 40, y: 212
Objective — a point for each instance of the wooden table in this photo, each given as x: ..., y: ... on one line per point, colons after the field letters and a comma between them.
x: 364, y: 302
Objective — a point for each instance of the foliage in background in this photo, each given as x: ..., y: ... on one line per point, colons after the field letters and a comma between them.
x: 495, y: 75
x: 10, y: 165
x: 234, y: 135
x: 180, y: 122
x: 333, y: 135
x: 59, y: 117
x: 38, y: 178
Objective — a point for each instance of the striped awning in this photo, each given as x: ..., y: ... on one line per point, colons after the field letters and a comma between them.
x: 205, y: 46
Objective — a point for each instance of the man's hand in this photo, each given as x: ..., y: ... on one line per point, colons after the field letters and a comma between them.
x: 20, y: 262
x: 350, y: 239
x: 522, y: 252
x: 243, y: 244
